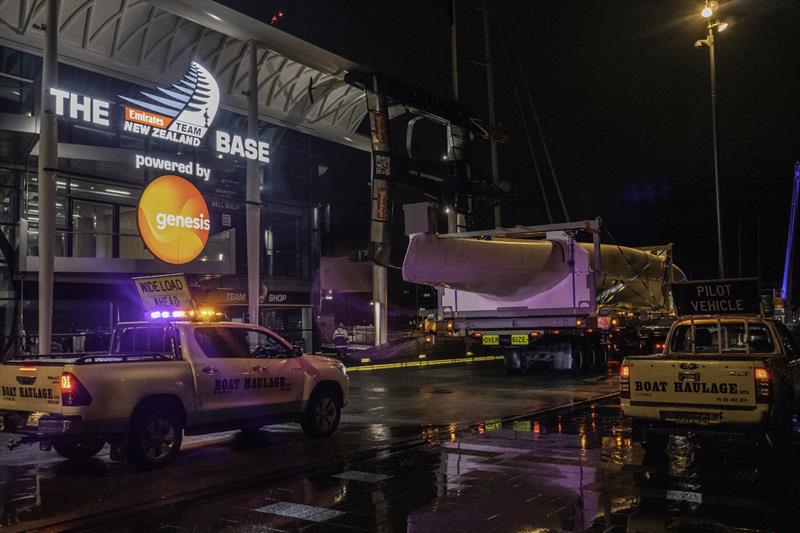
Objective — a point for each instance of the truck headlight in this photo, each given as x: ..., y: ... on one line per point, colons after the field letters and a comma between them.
x: 342, y: 368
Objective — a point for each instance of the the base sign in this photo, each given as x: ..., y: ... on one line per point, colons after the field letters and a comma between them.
x: 717, y: 297
x: 181, y: 113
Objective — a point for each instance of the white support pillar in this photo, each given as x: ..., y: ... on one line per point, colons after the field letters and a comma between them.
x: 48, y: 159
x: 253, y: 196
x: 380, y: 299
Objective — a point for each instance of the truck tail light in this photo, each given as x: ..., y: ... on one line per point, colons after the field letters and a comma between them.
x: 624, y: 381
x: 73, y: 393
x: 763, y: 385
x: 476, y: 334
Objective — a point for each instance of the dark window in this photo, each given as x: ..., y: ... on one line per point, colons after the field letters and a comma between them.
x: 265, y: 346
x: 706, y: 339
x: 145, y: 339
x: 682, y: 339
x: 733, y: 337
x: 760, y: 339
x: 219, y: 343
x: 240, y: 343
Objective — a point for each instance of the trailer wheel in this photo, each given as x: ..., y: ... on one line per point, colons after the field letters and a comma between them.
x: 597, y: 356
x: 578, y: 359
x: 526, y: 363
x: 601, y: 358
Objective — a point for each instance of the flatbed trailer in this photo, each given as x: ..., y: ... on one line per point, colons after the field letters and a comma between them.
x: 539, y: 295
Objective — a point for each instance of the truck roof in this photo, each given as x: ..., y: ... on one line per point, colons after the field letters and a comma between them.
x: 704, y: 319
x: 180, y: 321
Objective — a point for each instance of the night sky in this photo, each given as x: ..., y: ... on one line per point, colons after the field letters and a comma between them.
x: 623, y: 97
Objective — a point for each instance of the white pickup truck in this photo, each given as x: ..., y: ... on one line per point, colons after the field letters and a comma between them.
x: 165, y: 378
x: 729, y: 373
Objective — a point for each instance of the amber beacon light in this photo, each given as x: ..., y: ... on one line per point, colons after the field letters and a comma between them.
x: 173, y: 219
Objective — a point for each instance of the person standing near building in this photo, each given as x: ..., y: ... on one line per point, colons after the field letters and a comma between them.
x: 340, y: 339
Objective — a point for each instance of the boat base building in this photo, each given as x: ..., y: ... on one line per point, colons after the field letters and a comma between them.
x: 151, y: 101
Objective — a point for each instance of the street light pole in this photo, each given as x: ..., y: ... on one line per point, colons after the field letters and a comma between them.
x: 713, y: 26
x: 713, y: 69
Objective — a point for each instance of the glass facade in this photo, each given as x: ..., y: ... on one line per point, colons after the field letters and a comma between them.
x: 98, y: 247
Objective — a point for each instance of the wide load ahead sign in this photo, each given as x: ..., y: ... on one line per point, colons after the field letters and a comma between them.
x: 717, y: 297
x: 160, y: 293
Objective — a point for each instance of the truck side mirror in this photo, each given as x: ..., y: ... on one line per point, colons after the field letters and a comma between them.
x: 297, y: 351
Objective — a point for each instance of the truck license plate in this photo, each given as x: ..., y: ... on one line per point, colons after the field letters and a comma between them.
x: 33, y: 419
x: 695, y: 419
x: 491, y: 340
x: 519, y: 339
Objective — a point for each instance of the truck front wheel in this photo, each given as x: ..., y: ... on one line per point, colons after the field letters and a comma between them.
x: 155, y: 439
x: 322, y: 413
x: 78, y: 447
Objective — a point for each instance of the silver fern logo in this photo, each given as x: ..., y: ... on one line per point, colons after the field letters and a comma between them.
x: 181, y: 113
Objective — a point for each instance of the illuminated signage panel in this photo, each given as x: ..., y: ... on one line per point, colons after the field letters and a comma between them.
x: 181, y: 113
x: 173, y: 219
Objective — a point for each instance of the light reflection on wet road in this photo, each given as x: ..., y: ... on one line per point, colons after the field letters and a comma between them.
x: 573, y: 471
x: 39, y: 489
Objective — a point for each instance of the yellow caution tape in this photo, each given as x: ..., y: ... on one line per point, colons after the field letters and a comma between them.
x: 429, y: 362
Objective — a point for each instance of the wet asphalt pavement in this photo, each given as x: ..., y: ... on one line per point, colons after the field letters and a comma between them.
x: 389, y: 410
x: 575, y: 470
x: 406, y: 460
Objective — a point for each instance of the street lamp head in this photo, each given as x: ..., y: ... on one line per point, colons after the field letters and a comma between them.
x: 699, y: 43
x: 722, y: 26
x: 709, y: 9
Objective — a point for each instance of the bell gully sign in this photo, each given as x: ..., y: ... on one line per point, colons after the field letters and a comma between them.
x: 181, y: 113
x: 717, y: 297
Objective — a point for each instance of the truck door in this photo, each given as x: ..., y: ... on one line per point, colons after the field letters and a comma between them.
x: 278, y: 378
x: 222, y: 365
x: 238, y: 372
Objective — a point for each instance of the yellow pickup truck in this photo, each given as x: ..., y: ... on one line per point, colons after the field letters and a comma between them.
x: 163, y: 378
x: 735, y: 373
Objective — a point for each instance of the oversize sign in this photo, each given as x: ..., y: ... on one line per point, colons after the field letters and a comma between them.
x: 181, y: 113
x: 164, y: 292
x: 717, y: 297
x: 173, y: 219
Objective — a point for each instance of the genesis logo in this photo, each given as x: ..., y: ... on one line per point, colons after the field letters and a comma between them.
x: 182, y: 113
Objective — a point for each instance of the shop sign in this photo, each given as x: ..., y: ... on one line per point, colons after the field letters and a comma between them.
x: 221, y: 297
x: 173, y: 219
x: 181, y: 113
x: 163, y: 292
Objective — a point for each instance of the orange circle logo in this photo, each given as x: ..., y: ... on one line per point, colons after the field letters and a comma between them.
x: 173, y: 219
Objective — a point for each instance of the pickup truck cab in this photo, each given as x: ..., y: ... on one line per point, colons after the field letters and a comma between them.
x: 728, y: 373
x: 162, y: 379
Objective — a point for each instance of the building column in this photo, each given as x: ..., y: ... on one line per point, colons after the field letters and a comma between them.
x: 48, y: 159
x: 306, y: 314
x: 380, y: 299
x: 253, y: 196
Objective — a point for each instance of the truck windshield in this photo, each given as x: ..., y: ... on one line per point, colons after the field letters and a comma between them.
x: 150, y: 339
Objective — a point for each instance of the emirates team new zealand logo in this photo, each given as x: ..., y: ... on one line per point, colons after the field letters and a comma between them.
x: 182, y: 113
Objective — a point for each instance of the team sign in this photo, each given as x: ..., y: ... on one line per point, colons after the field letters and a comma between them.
x: 173, y: 219
x: 181, y: 113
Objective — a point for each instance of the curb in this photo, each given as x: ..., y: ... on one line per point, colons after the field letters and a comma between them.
x: 424, y: 362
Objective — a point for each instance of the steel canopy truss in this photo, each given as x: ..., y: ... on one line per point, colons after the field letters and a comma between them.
x: 151, y: 42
